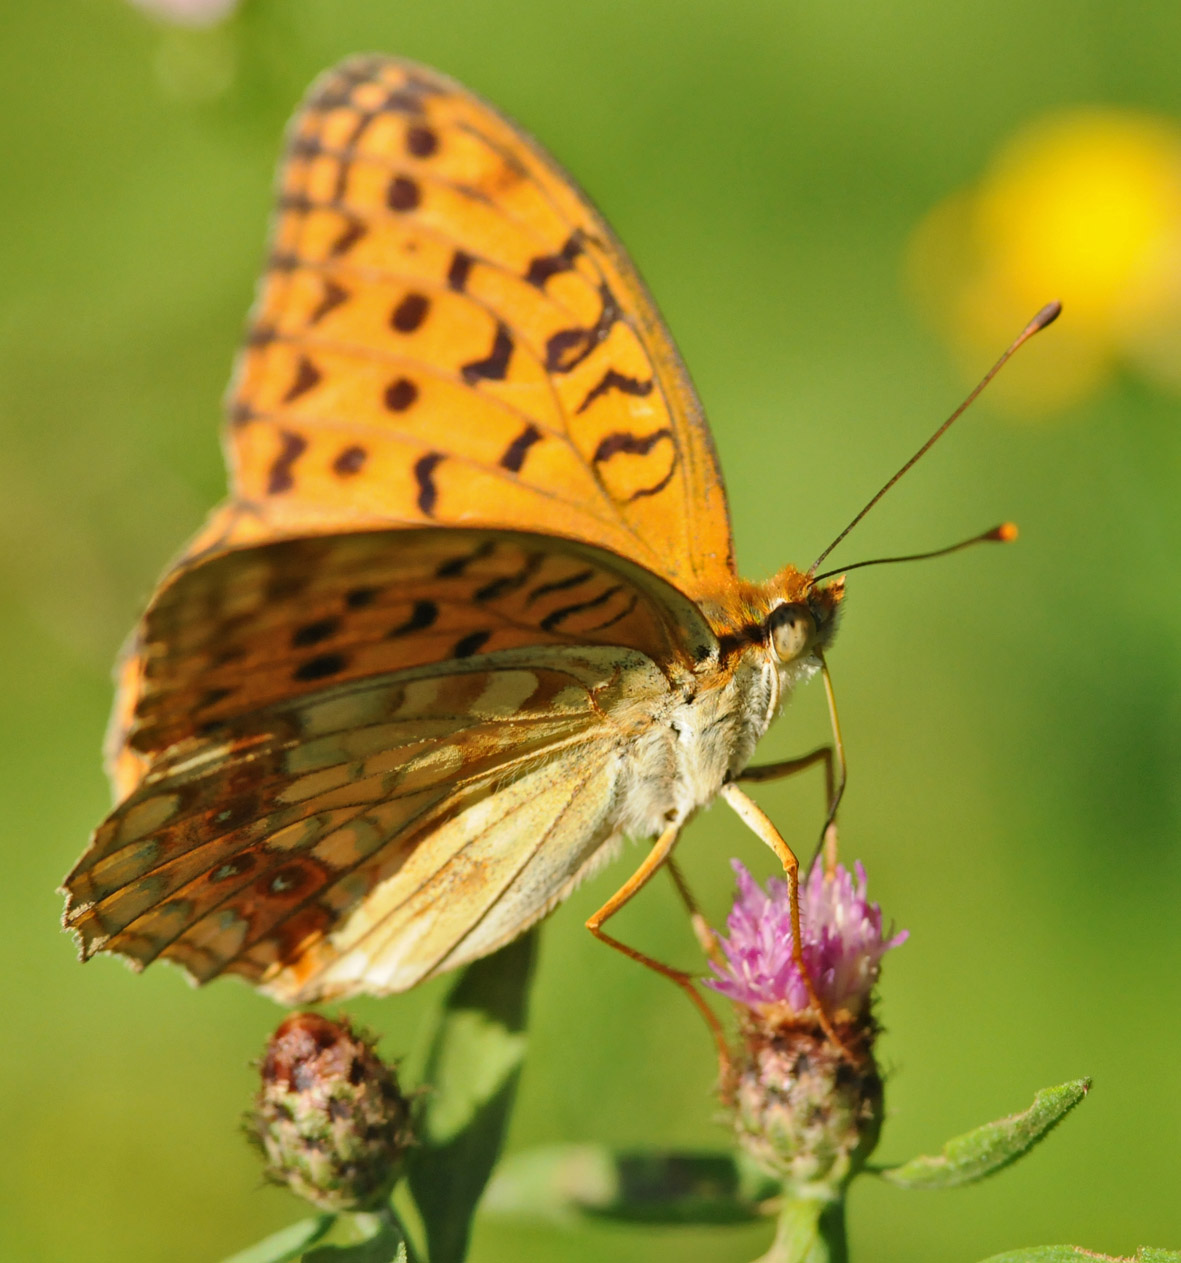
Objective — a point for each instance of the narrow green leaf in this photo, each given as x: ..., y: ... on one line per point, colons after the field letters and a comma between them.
x: 563, y: 1183
x: 471, y: 1078
x: 989, y: 1148
x: 1076, y: 1254
x: 286, y: 1244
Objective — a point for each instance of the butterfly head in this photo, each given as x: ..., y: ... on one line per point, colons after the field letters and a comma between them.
x: 803, y: 616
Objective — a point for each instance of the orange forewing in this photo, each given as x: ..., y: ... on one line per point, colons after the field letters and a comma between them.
x: 448, y: 333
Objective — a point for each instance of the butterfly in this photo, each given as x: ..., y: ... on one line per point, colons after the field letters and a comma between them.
x: 470, y: 615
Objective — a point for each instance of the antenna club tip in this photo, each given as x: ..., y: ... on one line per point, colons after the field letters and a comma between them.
x: 1048, y: 314
x: 1006, y: 533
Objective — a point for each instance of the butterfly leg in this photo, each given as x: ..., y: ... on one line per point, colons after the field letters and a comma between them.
x: 789, y: 767
x: 836, y: 772
x: 657, y: 856
x: 757, y: 820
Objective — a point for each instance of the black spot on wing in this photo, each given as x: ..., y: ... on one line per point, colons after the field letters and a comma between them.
x: 424, y: 475
x: 307, y: 375
x: 400, y: 394
x: 547, y: 265
x: 334, y: 295
x: 421, y: 141
x: 460, y: 269
x: 352, y: 232
x: 632, y: 444
x: 615, y: 618
x: 403, y: 194
x: 280, y: 477
x: 559, y: 585
x: 612, y: 380
x: 349, y: 460
x: 313, y: 633
x: 514, y: 454
x: 567, y: 348
x: 559, y: 616
x: 494, y: 366
x: 404, y: 101
x: 656, y: 487
x: 359, y: 598
x: 506, y: 583
x: 623, y: 441
x: 410, y: 313
x: 320, y: 667
x: 422, y: 616
x: 471, y: 644
x: 455, y: 567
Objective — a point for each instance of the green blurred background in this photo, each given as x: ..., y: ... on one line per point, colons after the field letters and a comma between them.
x: 1012, y: 715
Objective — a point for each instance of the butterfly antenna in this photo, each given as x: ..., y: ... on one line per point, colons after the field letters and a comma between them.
x: 1006, y: 533
x: 1048, y: 314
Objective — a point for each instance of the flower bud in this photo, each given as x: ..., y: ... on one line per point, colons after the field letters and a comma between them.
x: 806, y: 1109
x: 800, y: 1108
x: 329, y: 1116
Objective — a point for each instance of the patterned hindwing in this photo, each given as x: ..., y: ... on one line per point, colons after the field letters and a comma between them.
x: 448, y: 332
x: 241, y: 631
x: 366, y: 835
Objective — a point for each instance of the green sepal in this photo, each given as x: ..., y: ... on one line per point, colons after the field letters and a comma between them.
x: 986, y: 1149
x: 286, y: 1244
x: 471, y: 1072
x: 1076, y: 1253
x: 563, y: 1183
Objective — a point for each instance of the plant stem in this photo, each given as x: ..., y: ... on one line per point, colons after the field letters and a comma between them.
x: 811, y: 1229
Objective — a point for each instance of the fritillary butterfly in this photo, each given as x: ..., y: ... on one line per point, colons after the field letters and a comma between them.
x: 470, y: 614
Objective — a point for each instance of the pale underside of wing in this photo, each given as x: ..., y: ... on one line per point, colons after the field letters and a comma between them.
x: 237, y: 632
x: 448, y: 333
x: 367, y: 835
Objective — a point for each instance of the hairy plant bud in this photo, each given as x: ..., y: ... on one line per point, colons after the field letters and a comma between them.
x: 329, y: 1116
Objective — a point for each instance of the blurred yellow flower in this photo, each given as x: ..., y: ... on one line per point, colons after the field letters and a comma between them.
x: 1085, y: 206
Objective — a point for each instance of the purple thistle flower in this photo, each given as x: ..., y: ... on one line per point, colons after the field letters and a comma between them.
x: 843, y: 944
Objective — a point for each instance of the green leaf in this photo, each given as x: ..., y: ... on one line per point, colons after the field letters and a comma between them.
x: 287, y: 1243
x: 563, y: 1183
x: 1075, y: 1253
x: 989, y: 1148
x: 471, y: 1077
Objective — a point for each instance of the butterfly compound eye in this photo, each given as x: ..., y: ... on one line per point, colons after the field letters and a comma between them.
x: 792, y: 630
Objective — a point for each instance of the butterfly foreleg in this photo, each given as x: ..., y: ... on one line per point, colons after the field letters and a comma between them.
x: 658, y: 855
x: 757, y: 820
x: 825, y: 754
x: 835, y: 768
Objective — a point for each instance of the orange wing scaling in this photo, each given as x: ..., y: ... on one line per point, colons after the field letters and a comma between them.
x: 448, y: 333
x: 243, y: 630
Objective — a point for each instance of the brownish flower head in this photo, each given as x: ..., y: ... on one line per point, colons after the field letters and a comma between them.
x: 800, y: 1108
x: 329, y: 1116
